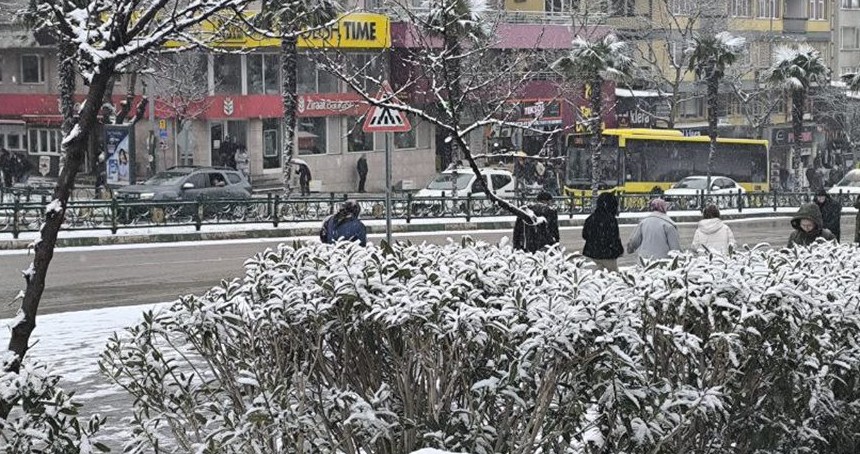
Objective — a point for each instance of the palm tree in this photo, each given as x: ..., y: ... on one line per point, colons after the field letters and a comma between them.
x: 710, y: 55
x: 852, y: 80
x: 289, y: 18
x: 795, y: 69
x: 593, y: 62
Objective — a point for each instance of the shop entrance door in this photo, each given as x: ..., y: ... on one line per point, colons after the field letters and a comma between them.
x: 225, y: 138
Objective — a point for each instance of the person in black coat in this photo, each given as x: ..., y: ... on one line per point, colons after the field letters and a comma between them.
x: 304, y: 178
x: 831, y: 212
x: 361, y: 166
x: 532, y: 238
x: 602, y: 238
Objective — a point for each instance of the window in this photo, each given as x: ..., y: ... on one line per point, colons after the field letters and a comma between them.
x: 312, y: 135
x: 622, y: 8
x: 499, y: 180
x: 683, y: 7
x: 850, y: 38
x: 44, y: 141
x: 847, y: 70
x: 850, y: 4
x: 371, y: 68
x: 271, y: 143
x: 692, y: 108
x: 264, y: 75
x: 11, y: 141
x: 228, y: 73
x: 1, y: 69
x: 740, y: 8
x: 32, y: 69
x: 234, y: 178
x: 312, y: 79
x: 817, y: 10
x: 416, y: 138
x: 356, y: 138
x: 768, y: 9
x: 199, y: 180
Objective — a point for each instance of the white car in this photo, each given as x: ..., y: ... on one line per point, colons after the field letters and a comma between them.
x: 849, y: 184
x: 695, y: 185
x: 463, y: 182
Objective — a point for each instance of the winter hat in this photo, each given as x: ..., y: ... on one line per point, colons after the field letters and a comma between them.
x: 544, y: 196
x: 352, y: 207
x: 658, y: 205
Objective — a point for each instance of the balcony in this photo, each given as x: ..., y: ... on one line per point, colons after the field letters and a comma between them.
x: 794, y: 25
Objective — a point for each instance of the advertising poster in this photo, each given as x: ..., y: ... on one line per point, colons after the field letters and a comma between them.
x: 119, y: 155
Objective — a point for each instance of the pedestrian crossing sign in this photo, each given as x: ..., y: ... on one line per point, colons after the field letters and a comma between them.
x: 385, y: 119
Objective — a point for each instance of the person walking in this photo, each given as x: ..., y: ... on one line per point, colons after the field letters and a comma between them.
x: 808, y: 226
x: 857, y: 221
x: 544, y: 233
x: 344, y: 225
x: 361, y: 166
x: 602, y: 238
x: 656, y: 234
x: 831, y: 213
x: 243, y: 162
x: 22, y: 167
x: 712, y: 234
x: 304, y: 172
x: 6, y: 167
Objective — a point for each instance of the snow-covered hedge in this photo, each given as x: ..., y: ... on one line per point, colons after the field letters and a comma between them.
x: 480, y: 349
x: 43, y: 417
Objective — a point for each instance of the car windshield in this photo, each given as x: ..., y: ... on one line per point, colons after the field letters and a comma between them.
x: 852, y: 179
x: 165, y: 179
x: 446, y: 181
x: 691, y: 183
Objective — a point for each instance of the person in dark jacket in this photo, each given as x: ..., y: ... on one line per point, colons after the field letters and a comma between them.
x: 857, y: 221
x: 21, y: 167
x: 361, y: 166
x: 532, y: 238
x: 344, y: 225
x: 602, y: 238
x: 831, y: 213
x: 808, y: 226
x: 304, y: 173
x: 6, y: 167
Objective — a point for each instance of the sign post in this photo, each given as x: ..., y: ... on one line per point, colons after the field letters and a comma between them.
x: 387, y: 120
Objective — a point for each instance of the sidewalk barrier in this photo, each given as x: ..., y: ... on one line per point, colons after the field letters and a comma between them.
x: 22, y: 215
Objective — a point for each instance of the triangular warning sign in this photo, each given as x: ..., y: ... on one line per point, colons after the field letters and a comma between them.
x: 384, y: 119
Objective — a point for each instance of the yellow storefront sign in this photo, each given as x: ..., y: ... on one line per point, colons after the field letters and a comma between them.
x: 351, y: 31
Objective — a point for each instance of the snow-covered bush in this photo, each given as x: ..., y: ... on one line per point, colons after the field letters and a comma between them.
x: 481, y: 349
x: 43, y: 418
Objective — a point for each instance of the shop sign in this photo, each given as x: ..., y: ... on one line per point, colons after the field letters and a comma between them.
x: 351, y: 31
x: 324, y: 105
x: 536, y: 112
x: 785, y: 136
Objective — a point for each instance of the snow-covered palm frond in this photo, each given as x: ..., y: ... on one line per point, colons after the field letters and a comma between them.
x: 852, y: 80
x: 607, y: 58
x: 711, y: 54
x: 461, y: 17
x: 796, y: 67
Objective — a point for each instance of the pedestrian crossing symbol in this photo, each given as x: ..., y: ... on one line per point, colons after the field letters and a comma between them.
x: 385, y: 119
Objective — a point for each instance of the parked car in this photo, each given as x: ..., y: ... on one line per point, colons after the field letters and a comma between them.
x: 463, y: 182
x: 849, y: 184
x: 683, y: 194
x: 190, y: 184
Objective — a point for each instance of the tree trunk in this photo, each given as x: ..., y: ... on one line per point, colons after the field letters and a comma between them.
x: 453, y: 84
x: 66, y: 85
x: 289, y: 67
x: 596, y: 137
x: 798, y: 97
x: 44, y: 249
x: 713, y: 103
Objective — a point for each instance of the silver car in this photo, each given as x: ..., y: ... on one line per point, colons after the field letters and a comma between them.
x: 190, y: 184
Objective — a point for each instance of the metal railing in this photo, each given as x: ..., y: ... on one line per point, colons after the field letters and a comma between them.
x: 25, y: 212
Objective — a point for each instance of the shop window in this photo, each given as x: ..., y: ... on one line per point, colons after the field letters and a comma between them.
x: 312, y: 133
x: 357, y: 140
x: 11, y: 141
x: 369, y: 70
x: 692, y: 108
x: 32, y: 69
x: 44, y: 141
x: 271, y: 143
x: 264, y: 75
x: 415, y: 138
x: 227, y: 70
x: 312, y: 79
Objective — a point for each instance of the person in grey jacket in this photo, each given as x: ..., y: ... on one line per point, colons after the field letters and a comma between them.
x: 656, y: 234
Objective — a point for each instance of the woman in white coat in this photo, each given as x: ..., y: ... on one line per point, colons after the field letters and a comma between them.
x: 712, y: 233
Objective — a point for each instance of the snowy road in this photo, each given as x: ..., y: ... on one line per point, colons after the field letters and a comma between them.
x: 95, y: 277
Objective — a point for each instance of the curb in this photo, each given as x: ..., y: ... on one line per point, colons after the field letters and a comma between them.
x: 564, y: 221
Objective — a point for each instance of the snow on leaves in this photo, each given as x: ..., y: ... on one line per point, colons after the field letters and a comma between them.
x: 477, y: 348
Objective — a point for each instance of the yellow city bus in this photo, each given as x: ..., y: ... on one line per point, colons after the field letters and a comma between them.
x: 642, y: 160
